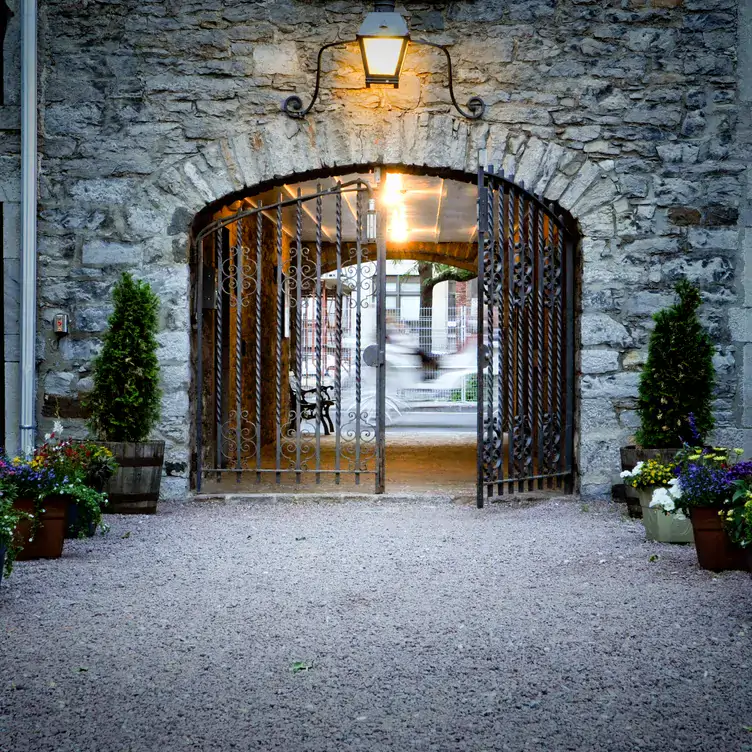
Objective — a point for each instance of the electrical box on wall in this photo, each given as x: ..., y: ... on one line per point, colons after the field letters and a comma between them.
x: 60, y: 323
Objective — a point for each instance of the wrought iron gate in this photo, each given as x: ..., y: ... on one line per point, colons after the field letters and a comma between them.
x: 289, y: 314
x: 525, y: 342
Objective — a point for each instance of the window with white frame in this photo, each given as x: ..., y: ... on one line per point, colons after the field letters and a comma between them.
x: 403, y: 296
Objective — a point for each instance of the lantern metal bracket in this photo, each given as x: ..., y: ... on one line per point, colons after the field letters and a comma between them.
x: 475, y: 105
x: 293, y: 105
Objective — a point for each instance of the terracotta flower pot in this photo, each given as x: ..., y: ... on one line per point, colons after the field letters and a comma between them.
x: 662, y: 527
x: 715, y: 551
x: 50, y: 535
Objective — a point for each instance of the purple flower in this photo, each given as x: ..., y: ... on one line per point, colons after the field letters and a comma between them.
x: 705, y: 484
x: 693, y: 428
x: 740, y: 470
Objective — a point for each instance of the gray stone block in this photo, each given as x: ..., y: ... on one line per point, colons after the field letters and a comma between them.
x: 105, y: 253
x: 599, y: 361
x: 92, y: 319
x: 597, y: 416
x: 618, y: 385
x: 740, y: 324
x: 59, y: 383
x: 174, y: 347
x: 601, y: 329
x: 11, y: 230
x: 276, y: 59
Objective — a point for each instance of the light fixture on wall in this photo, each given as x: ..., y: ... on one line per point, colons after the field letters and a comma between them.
x: 383, y: 38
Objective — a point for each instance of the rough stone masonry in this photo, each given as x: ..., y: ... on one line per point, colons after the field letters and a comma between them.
x: 633, y: 114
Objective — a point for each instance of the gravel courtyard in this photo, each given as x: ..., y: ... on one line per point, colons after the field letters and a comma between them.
x: 425, y: 626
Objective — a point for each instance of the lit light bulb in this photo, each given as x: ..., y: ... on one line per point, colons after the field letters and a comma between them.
x: 383, y: 55
x: 393, y: 190
x: 398, y: 229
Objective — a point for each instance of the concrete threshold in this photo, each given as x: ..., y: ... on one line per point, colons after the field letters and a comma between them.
x: 326, y: 497
x: 400, y: 497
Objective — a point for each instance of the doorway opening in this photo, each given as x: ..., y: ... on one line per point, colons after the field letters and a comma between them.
x: 337, y: 337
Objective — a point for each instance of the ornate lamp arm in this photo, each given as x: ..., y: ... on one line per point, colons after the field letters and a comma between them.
x: 293, y: 105
x: 475, y: 105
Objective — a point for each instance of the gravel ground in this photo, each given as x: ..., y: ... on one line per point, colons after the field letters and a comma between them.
x: 427, y: 626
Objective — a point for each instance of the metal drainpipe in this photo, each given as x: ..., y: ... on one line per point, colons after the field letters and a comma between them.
x: 28, y: 221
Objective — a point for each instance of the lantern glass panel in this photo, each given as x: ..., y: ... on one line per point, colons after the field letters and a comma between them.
x: 383, y: 55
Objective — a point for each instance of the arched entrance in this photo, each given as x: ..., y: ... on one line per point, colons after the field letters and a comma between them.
x: 293, y: 328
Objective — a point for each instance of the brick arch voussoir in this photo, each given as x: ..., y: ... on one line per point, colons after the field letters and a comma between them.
x: 280, y: 149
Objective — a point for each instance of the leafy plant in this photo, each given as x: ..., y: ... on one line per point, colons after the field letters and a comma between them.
x: 738, y: 519
x: 125, y: 400
x: 708, y: 477
x: 88, y: 503
x: 70, y: 459
x: 9, y: 519
x: 24, y: 480
x: 676, y: 384
x: 650, y: 473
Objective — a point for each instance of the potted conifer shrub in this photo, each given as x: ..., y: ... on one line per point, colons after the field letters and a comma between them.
x: 676, y: 385
x: 125, y: 400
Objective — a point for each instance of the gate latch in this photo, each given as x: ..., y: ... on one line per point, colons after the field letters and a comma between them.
x: 372, y: 356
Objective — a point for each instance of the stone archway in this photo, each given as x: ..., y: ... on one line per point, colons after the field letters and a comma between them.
x: 276, y: 148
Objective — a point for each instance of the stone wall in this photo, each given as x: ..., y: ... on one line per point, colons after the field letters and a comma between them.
x: 630, y: 113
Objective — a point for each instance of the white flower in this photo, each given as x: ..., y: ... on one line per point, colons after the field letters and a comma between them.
x: 57, y: 428
x: 634, y: 471
x: 660, y: 497
x: 665, y: 499
x: 47, y: 436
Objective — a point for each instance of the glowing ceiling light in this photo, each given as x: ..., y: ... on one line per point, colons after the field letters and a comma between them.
x: 394, y: 193
x: 398, y: 229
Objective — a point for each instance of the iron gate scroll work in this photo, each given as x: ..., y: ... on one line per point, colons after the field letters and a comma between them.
x: 525, y: 342
x: 288, y: 297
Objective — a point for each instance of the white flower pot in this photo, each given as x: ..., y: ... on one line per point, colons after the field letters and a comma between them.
x: 662, y: 527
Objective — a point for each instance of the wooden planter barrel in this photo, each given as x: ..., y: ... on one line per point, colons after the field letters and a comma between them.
x: 134, y: 488
x: 631, y: 455
x: 50, y: 535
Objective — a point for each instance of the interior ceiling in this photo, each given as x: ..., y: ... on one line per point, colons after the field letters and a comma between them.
x: 420, y: 209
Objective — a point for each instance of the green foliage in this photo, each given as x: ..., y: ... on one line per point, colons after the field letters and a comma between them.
x: 126, y: 397
x: 738, y: 519
x: 677, y: 382
x: 9, y: 519
x: 88, y: 501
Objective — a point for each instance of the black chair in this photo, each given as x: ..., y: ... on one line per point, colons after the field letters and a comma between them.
x: 308, y: 409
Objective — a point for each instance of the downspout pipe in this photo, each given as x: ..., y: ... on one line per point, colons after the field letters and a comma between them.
x: 28, y: 313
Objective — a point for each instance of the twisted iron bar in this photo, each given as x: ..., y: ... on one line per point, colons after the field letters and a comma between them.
x: 338, y: 345
x: 259, y: 269
x: 238, y: 343
x: 278, y: 353
x: 318, y: 333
